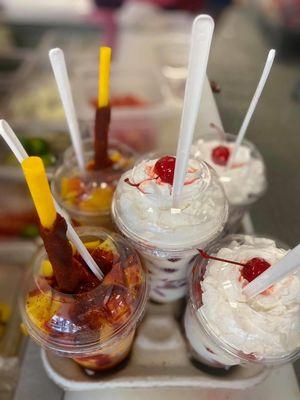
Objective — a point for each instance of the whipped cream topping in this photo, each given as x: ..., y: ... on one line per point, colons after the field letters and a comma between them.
x: 267, y: 325
x: 145, y: 212
x: 245, y: 180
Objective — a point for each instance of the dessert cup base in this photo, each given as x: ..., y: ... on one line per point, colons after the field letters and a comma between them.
x: 214, y: 371
x: 159, y: 359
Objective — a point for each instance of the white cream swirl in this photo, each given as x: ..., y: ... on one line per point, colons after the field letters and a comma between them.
x: 269, y: 324
x: 146, y: 212
x: 245, y: 180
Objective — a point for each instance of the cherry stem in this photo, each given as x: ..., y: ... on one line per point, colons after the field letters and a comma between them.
x: 219, y: 131
x: 208, y: 257
x: 132, y: 184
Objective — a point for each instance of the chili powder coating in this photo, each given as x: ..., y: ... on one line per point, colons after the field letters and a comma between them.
x: 67, y: 271
x: 102, y: 121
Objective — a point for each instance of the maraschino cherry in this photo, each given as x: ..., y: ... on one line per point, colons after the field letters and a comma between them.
x: 220, y: 155
x: 254, y: 268
x: 251, y: 269
x: 165, y: 168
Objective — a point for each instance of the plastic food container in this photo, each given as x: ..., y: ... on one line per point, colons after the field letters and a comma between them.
x: 168, y: 241
x: 244, y: 183
x: 139, y: 100
x: 172, y: 53
x: 34, y: 97
x: 95, y: 327
x: 86, y: 196
x: 159, y: 363
x: 248, y: 331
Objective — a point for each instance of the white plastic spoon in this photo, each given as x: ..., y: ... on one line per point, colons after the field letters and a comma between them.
x: 201, y: 38
x: 59, y: 67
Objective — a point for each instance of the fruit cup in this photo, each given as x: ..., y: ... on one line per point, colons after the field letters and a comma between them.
x: 95, y: 325
x: 86, y: 196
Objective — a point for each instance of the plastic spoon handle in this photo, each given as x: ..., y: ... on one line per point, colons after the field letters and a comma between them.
x: 13, y: 142
x: 59, y: 67
x: 286, y: 266
x: 75, y: 239
x: 201, y: 38
x: 253, y: 104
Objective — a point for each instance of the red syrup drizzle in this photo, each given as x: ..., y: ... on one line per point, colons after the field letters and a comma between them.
x: 137, y: 185
x: 251, y: 269
x: 164, y: 169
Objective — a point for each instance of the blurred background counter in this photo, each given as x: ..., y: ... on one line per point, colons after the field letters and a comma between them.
x: 143, y: 37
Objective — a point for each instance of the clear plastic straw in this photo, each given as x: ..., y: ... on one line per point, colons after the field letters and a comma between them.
x: 284, y: 267
x: 59, y: 67
x: 201, y: 38
x: 18, y: 150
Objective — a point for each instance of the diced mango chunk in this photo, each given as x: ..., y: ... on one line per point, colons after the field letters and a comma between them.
x: 115, y: 156
x: 2, y: 331
x: 70, y: 188
x: 99, y: 200
x: 73, y: 247
x: 106, y: 331
x: 46, y: 269
x: 5, y: 312
x: 117, y: 308
x: 40, y: 308
x: 133, y: 275
x: 92, y: 245
x: 24, y: 329
x: 108, y: 246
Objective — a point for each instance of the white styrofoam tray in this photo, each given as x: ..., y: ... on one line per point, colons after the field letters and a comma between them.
x: 159, y: 358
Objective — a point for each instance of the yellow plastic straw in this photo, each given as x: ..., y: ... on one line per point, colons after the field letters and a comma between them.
x: 37, y: 182
x: 104, y: 75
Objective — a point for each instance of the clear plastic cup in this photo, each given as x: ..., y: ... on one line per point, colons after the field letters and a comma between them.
x: 140, y: 125
x: 140, y: 135
x: 232, y: 330
x: 86, y: 196
x: 244, y: 183
x: 172, y: 55
x: 95, y: 328
x: 167, y: 239
x: 143, y: 85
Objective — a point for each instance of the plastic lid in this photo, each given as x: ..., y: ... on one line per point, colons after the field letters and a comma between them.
x: 84, y: 323
x: 90, y: 193
x: 245, y: 181
x: 143, y: 200
x: 264, y: 329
